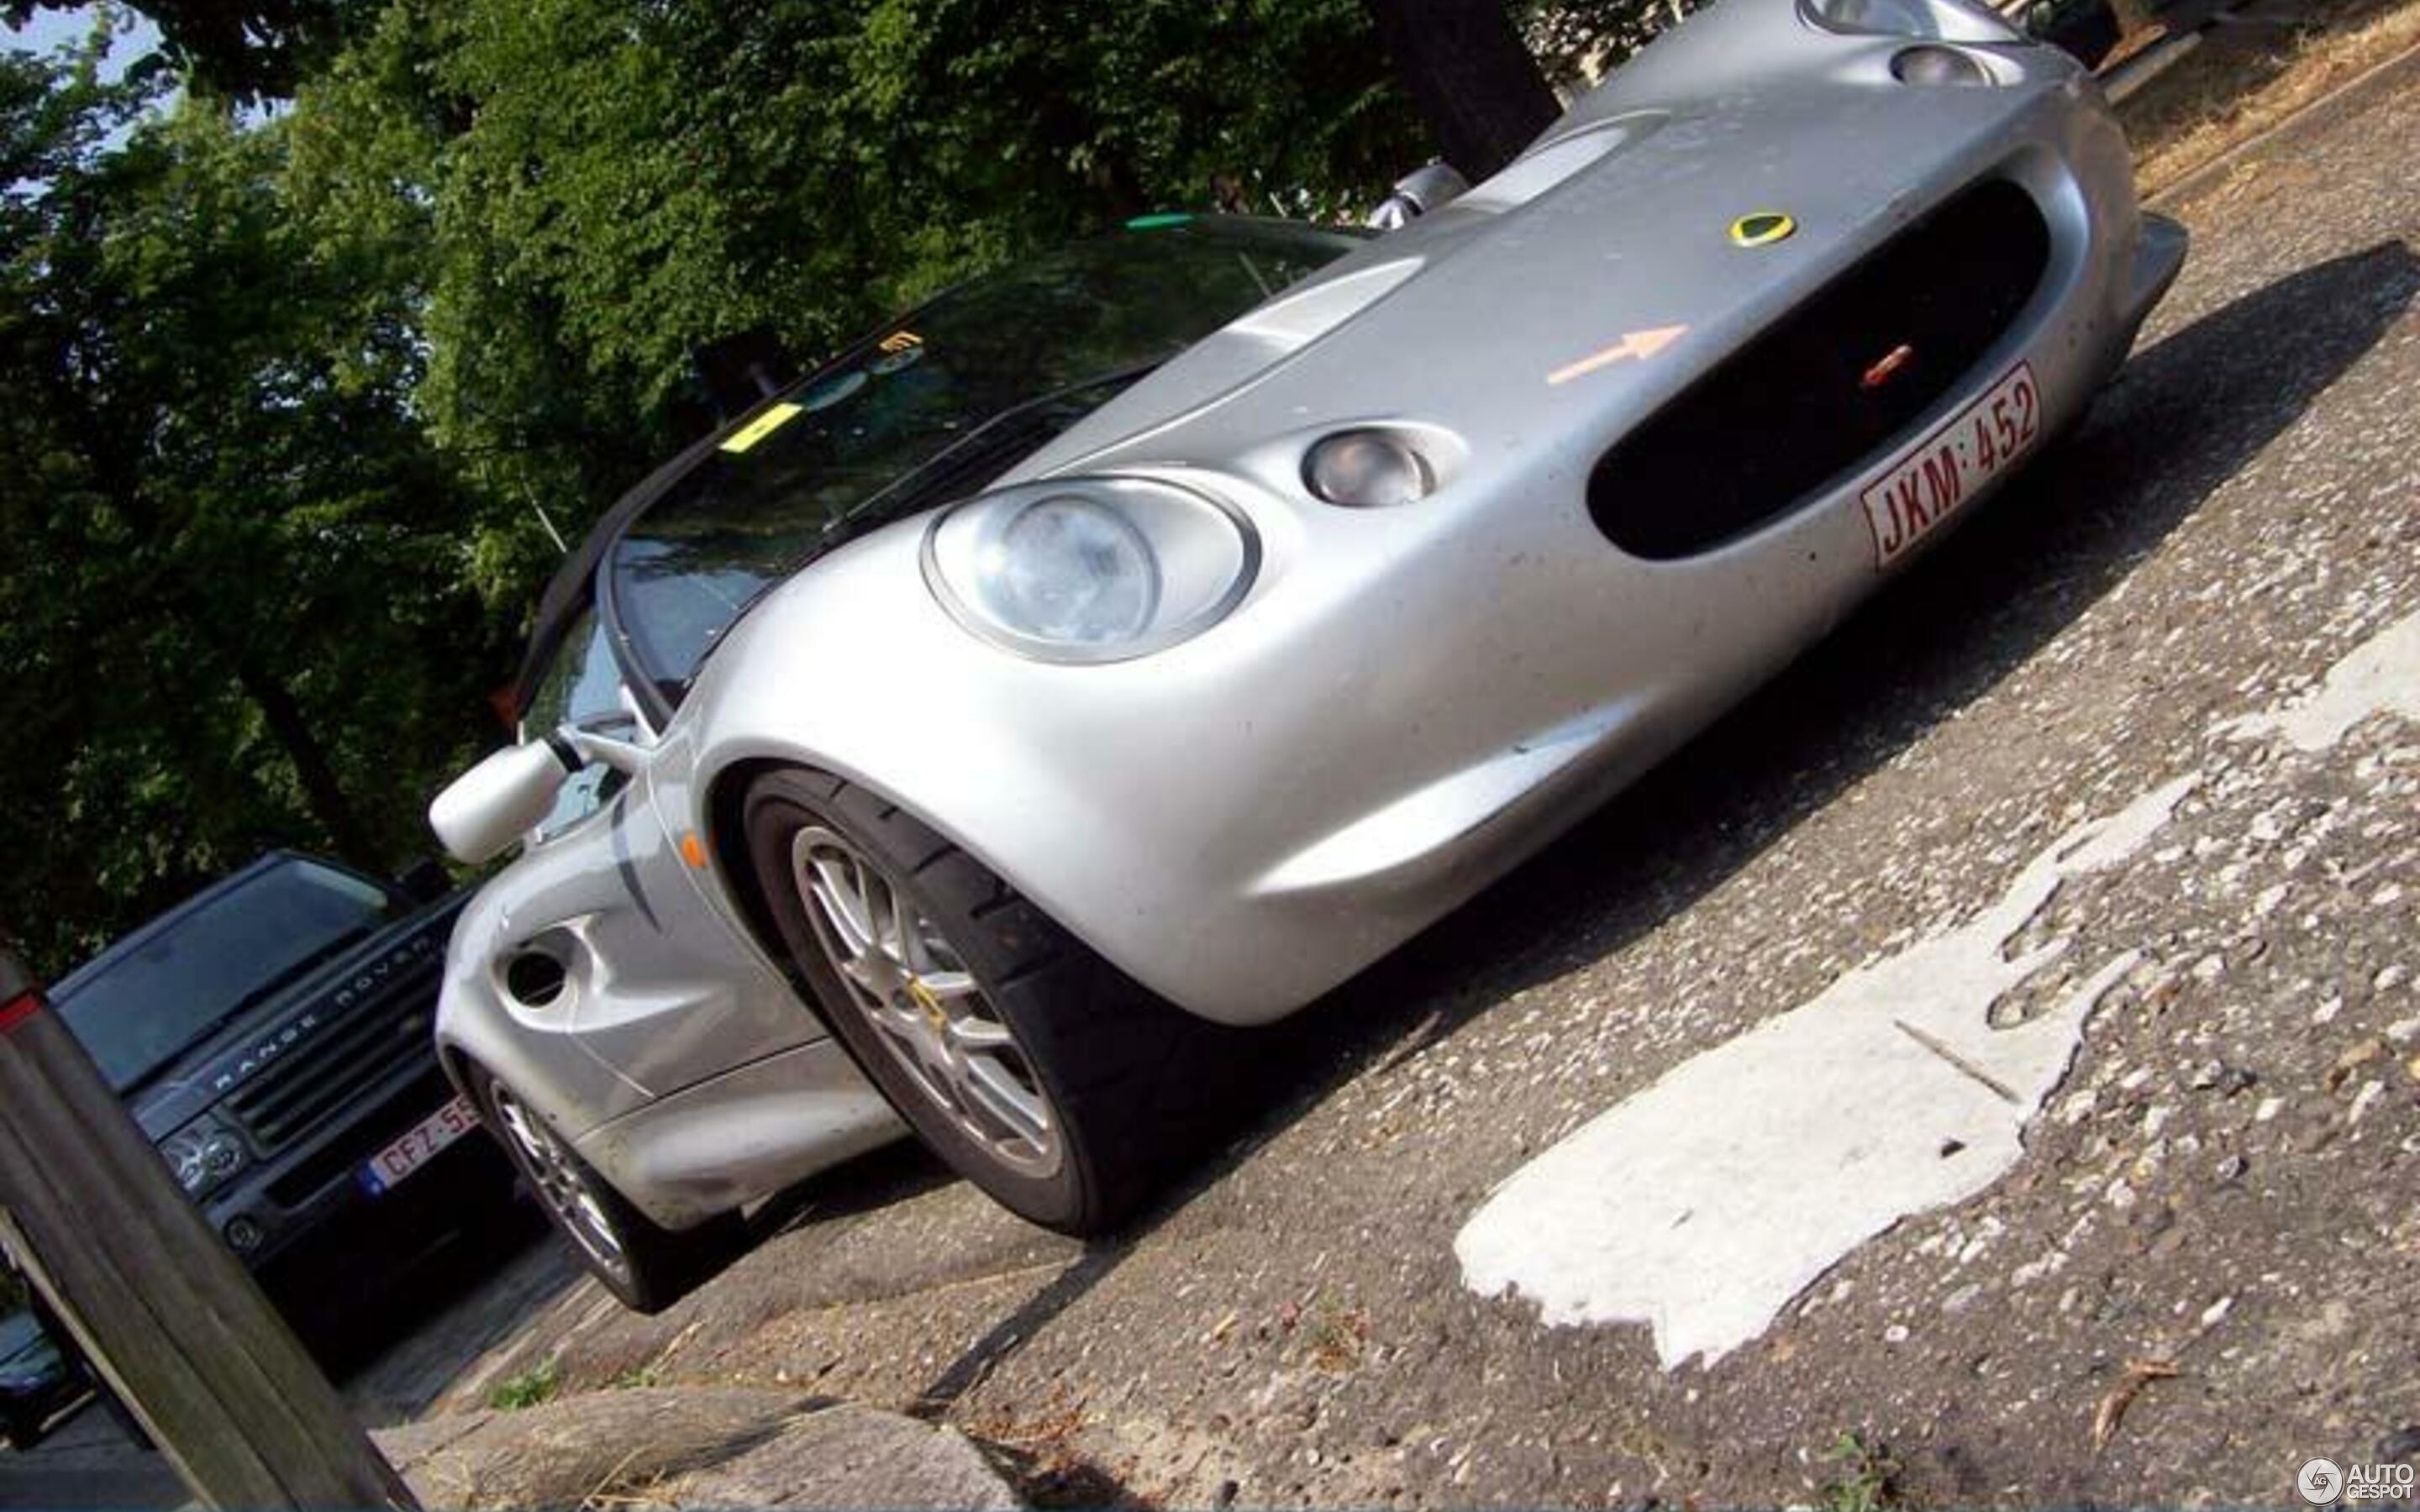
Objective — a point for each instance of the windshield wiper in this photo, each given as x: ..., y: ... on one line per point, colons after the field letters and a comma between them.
x: 946, y: 466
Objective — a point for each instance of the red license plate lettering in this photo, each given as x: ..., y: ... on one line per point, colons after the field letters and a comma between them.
x: 1928, y: 484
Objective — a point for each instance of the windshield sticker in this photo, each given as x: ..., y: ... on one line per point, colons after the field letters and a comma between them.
x: 895, y: 358
x: 899, y: 340
x: 763, y: 426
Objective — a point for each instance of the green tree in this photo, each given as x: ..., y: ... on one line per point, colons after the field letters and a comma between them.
x: 234, y: 611
x: 243, y: 50
x: 598, y: 186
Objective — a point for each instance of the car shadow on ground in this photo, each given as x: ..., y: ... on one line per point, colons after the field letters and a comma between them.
x: 2181, y: 419
x: 867, y: 1183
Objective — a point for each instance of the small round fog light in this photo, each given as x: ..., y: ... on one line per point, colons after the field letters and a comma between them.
x: 243, y: 1235
x: 1366, y: 470
x: 1938, y: 65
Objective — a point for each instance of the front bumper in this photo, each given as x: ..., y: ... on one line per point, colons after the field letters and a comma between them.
x: 312, y: 1194
x: 1412, y: 701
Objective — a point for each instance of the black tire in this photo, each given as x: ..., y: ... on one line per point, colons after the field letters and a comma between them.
x: 1136, y: 1085
x: 646, y: 1266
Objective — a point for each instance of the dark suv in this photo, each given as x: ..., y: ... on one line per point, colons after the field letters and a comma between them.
x: 272, y: 1035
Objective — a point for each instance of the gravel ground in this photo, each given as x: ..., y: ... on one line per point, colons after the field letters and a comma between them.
x: 2203, y: 1268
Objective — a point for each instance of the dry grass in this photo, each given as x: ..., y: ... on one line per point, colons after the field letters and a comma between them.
x: 2246, y: 80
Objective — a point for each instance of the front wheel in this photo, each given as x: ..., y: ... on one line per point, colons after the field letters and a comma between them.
x: 644, y: 1264
x: 1041, y: 1072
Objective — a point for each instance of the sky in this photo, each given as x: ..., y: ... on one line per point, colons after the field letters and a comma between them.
x: 49, y: 29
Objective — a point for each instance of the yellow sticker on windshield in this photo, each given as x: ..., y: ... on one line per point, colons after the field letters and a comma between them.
x: 762, y: 426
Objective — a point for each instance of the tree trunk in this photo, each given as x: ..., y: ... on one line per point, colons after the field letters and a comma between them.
x: 291, y: 728
x: 292, y: 731
x: 1471, y: 76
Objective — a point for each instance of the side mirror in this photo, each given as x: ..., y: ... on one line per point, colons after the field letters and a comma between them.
x: 425, y: 881
x: 1416, y: 193
x: 495, y: 803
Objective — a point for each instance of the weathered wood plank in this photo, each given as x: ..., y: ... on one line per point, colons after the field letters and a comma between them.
x: 159, y: 1305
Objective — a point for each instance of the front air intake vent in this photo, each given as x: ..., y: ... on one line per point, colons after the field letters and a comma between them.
x: 1828, y: 385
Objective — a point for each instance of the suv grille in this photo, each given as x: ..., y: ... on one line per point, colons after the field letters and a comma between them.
x: 1828, y: 383
x: 383, y: 1029
x: 365, y: 1137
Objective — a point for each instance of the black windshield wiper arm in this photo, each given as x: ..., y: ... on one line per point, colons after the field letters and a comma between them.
x: 937, y: 467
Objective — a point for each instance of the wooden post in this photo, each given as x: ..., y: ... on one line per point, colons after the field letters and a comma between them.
x: 163, y: 1309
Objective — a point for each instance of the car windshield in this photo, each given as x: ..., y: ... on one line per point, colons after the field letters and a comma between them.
x: 139, y: 1005
x: 946, y: 400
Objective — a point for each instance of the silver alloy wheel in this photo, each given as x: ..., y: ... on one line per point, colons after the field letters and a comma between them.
x: 561, y: 1186
x: 907, y: 981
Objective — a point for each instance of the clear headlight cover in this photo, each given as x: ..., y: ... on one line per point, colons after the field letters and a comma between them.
x: 1089, y: 569
x: 202, y: 1155
x: 1926, y: 20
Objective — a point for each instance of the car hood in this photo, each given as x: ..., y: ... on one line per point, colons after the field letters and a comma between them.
x: 1614, y: 228
x: 224, y: 1061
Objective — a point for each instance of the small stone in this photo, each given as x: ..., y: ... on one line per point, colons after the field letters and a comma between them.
x: 2359, y: 1056
x: 2412, y: 1068
x: 2232, y: 1168
x: 2206, y: 1075
x: 1896, y: 1334
x: 2362, y: 1100
x: 1227, y: 1491
x: 2391, y: 977
x: 2269, y: 1107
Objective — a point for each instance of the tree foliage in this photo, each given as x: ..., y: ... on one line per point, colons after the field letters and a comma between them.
x: 598, y: 186
x: 246, y: 51
x: 233, y: 584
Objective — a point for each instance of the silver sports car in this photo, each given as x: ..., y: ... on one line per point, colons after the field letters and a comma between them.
x: 1129, y: 647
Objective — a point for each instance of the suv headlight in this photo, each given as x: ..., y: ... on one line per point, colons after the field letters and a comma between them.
x: 203, y: 1154
x: 1928, y: 21
x: 1090, y: 569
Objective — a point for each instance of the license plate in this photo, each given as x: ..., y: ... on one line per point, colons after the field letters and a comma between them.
x: 418, y: 1145
x: 1952, y: 465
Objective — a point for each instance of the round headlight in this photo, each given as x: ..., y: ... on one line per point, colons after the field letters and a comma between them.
x: 1069, y: 569
x: 202, y: 1155
x: 1089, y: 569
x: 1366, y: 470
x: 1937, y: 66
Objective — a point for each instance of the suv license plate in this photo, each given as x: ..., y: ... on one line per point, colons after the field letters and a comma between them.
x: 418, y: 1145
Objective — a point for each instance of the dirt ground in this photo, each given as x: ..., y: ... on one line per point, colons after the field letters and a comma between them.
x: 2200, y: 1264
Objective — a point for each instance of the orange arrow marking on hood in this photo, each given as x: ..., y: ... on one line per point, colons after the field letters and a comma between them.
x: 1639, y: 344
